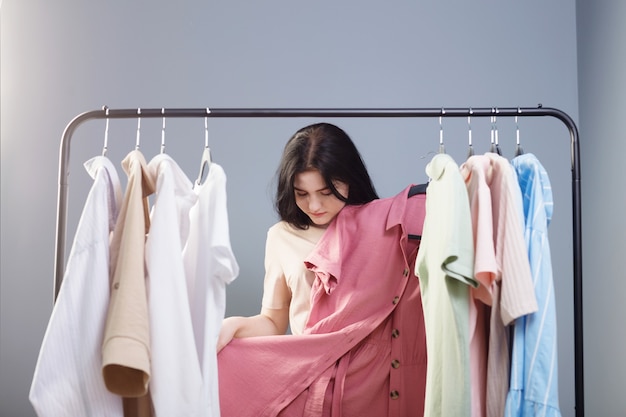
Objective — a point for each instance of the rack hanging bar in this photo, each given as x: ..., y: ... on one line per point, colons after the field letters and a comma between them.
x: 538, y: 111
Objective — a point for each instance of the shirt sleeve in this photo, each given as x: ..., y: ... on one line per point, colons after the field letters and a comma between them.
x: 276, y: 293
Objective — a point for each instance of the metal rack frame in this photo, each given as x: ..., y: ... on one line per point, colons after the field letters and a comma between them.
x: 539, y: 111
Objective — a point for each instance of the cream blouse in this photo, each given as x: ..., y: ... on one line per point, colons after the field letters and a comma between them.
x: 287, y: 281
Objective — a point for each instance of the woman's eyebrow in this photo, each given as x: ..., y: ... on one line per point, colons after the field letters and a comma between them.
x: 300, y: 189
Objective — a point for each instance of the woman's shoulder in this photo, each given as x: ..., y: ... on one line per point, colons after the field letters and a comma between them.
x: 278, y: 228
x: 283, y: 230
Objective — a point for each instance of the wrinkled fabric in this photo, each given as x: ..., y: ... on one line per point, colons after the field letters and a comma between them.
x: 210, y: 265
x: 287, y: 282
x: 445, y: 267
x: 176, y: 383
x: 534, y: 364
x: 512, y: 292
x: 67, y: 379
x: 363, y: 349
x: 126, y: 345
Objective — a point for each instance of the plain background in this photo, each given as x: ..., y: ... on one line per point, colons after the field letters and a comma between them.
x: 59, y: 59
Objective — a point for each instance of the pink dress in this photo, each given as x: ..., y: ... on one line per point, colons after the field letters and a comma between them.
x: 363, y: 351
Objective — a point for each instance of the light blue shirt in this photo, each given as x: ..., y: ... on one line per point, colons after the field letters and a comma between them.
x: 534, y: 373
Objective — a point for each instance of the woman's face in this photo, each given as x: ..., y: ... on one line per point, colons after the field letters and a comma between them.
x: 316, y: 199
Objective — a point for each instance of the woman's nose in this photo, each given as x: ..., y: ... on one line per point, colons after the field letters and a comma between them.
x: 314, y: 204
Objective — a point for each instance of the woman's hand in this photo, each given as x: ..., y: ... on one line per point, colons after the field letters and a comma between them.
x: 269, y: 322
x: 229, y: 329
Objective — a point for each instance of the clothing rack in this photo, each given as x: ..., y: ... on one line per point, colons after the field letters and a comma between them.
x: 538, y: 111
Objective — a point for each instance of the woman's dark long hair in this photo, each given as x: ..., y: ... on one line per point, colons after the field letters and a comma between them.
x: 328, y: 149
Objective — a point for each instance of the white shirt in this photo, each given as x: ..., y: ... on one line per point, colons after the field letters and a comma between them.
x: 68, y: 379
x: 209, y: 265
x: 176, y: 381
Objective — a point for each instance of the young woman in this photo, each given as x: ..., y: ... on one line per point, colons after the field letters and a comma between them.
x: 338, y: 273
x: 321, y: 171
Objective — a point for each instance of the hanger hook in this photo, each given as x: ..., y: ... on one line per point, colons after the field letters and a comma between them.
x: 441, y: 146
x: 106, y: 132
x: 138, y: 128
x: 205, y: 164
x: 469, y: 132
x: 518, y: 147
x: 493, y: 119
x: 517, y: 128
x: 495, y: 128
x: 163, y: 131
x: 206, y: 128
x: 495, y: 146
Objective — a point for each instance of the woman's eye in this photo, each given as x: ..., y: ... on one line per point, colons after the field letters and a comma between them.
x: 326, y: 193
x: 301, y: 194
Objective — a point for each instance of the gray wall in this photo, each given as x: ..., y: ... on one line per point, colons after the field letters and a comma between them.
x: 602, y: 105
x: 61, y: 58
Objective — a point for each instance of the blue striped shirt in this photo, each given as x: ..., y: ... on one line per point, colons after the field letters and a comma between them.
x: 534, y: 378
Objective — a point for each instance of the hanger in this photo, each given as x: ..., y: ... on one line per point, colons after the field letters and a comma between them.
x: 469, y: 133
x: 138, y: 129
x: 105, y: 147
x: 495, y: 146
x: 442, y: 148
x: 415, y: 190
x: 421, y: 188
x: 205, y: 163
x: 163, y: 131
x: 495, y: 125
x: 518, y: 148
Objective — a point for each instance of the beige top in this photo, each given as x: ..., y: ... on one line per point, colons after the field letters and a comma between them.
x: 287, y: 281
x: 126, y: 345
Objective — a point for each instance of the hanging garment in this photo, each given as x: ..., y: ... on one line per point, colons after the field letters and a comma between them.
x: 126, y: 345
x: 176, y: 382
x: 288, y: 282
x: 444, y: 266
x: 363, y: 349
x: 363, y: 247
x: 210, y: 265
x: 534, y: 373
x: 513, y: 295
x: 67, y: 379
x: 477, y: 174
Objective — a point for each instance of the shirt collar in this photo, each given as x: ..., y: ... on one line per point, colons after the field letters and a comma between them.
x: 398, y: 208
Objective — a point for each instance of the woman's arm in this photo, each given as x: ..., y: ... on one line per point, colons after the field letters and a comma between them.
x: 269, y: 322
